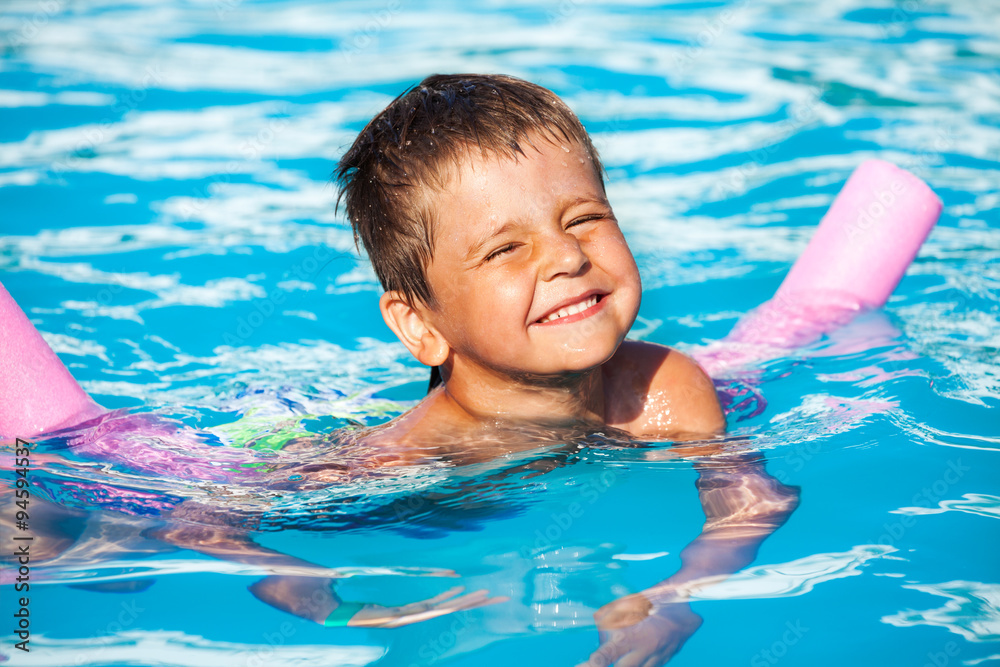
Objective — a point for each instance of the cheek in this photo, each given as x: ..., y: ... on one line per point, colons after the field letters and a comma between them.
x: 632, y: 281
x: 626, y: 262
x: 632, y: 269
x: 618, y: 260
x: 620, y: 264
x: 492, y: 309
x: 506, y: 299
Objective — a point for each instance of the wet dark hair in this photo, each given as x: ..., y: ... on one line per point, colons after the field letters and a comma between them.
x: 410, y: 148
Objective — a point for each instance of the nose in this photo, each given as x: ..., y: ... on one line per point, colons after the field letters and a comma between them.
x: 564, y: 256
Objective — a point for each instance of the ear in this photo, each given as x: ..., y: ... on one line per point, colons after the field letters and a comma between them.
x: 411, y: 326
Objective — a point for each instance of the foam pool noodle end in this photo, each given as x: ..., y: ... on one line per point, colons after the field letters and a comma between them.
x: 858, y: 255
x: 37, y: 392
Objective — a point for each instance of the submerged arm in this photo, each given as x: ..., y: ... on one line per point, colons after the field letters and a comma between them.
x: 308, y: 596
x: 743, y: 505
x: 305, y: 596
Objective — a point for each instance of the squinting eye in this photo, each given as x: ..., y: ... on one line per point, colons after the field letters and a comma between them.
x: 500, y: 251
x: 588, y: 218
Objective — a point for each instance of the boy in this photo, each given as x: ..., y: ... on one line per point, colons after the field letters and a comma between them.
x: 481, y: 204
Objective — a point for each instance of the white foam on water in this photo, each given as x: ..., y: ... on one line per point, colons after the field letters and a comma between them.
x: 178, y: 649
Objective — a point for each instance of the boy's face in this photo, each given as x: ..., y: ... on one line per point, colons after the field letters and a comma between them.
x: 531, y: 274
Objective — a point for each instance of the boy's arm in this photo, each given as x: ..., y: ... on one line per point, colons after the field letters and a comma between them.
x: 743, y: 505
x: 306, y: 596
x: 670, y: 396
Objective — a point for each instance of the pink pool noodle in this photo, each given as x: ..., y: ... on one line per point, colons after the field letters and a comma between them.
x: 857, y: 256
x: 37, y: 392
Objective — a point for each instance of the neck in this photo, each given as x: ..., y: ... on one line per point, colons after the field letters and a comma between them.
x: 561, y: 400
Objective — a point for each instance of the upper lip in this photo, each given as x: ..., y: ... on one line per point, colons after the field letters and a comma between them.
x: 569, y: 302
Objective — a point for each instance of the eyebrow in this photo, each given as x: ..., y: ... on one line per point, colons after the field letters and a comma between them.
x: 489, y: 236
x: 600, y: 201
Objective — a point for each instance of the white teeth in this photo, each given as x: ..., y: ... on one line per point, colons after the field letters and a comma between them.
x: 570, y: 310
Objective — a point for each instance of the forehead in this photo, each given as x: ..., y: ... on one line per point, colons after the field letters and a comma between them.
x: 479, y: 190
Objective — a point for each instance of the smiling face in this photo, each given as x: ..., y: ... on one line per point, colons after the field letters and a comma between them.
x: 531, y: 275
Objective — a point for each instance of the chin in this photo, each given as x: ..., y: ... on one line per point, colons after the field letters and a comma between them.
x: 581, y: 361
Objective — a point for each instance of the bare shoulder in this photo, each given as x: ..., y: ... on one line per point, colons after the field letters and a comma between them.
x: 431, y: 430
x: 657, y: 391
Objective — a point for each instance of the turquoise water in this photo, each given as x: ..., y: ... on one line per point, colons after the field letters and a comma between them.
x: 168, y: 225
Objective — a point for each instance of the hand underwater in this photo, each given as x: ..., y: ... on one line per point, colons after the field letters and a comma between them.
x: 635, y: 633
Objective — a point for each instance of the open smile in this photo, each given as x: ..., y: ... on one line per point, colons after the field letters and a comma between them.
x: 578, y: 309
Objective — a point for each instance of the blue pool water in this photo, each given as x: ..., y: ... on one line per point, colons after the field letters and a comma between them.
x: 168, y: 225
